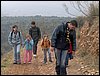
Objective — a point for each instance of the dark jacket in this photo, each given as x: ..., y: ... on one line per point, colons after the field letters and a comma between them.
x: 59, y: 37
x: 35, y: 33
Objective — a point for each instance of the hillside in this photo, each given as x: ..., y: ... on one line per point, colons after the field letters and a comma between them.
x: 88, y: 44
x: 76, y: 67
x: 36, y: 68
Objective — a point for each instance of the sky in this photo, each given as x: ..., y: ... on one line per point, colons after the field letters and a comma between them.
x: 32, y: 8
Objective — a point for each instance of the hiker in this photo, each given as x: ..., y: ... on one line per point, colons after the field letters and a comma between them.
x: 15, y: 39
x: 28, y: 49
x: 69, y: 55
x: 45, y: 44
x: 35, y: 33
x: 60, y: 44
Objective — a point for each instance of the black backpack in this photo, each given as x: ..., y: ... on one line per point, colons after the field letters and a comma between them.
x: 12, y: 33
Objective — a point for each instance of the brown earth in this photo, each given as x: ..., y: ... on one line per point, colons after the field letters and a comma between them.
x: 36, y: 67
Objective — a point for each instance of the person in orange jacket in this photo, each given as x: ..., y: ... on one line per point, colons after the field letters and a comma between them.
x: 45, y: 44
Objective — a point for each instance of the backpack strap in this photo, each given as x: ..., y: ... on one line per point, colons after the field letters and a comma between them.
x: 12, y: 33
x: 19, y: 33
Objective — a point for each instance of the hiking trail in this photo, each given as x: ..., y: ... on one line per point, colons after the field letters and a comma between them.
x: 36, y: 67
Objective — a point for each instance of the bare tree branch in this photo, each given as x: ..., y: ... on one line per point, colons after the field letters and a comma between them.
x: 74, y: 6
x: 81, y: 9
x: 66, y: 8
x: 85, y: 7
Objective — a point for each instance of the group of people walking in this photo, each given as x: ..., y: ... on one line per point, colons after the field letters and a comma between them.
x: 62, y: 42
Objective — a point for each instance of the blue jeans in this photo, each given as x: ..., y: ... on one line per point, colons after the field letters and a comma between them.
x: 60, y: 61
x: 16, y: 53
x: 45, y: 50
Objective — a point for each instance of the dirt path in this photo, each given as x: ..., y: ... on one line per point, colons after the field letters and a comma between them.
x: 36, y: 67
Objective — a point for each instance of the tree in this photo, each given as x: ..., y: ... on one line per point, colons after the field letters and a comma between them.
x: 87, y: 8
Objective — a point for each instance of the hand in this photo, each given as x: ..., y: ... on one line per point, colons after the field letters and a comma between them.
x: 51, y: 49
x: 21, y: 44
x: 39, y: 39
x: 12, y: 44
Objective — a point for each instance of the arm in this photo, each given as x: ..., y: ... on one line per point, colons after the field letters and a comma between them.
x: 32, y: 42
x: 49, y: 43
x: 22, y: 40
x: 54, y: 36
x: 39, y: 33
x: 9, y: 39
x: 30, y: 32
x: 42, y: 43
x: 24, y: 43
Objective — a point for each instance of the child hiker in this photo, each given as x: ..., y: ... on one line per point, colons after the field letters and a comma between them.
x: 45, y: 44
x: 28, y: 49
x: 15, y: 39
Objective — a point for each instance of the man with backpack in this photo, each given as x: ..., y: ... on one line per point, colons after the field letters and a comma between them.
x: 60, y: 43
x: 35, y: 33
x: 15, y: 39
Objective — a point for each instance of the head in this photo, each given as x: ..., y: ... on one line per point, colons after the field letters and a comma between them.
x: 33, y: 23
x: 28, y: 37
x: 72, y: 24
x: 45, y: 37
x: 15, y: 28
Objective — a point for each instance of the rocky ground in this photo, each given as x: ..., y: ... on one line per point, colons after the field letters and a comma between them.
x: 76, y: 67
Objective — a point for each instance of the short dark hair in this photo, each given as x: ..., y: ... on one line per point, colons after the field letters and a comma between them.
x: 33, y: 22
x: 67, y: 22
x: 15, y: 26
x: 74, y: 22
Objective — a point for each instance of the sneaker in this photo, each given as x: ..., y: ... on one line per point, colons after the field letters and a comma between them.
x: 18, y: 62
x: 44, y: 62
x: 29, y: 62
x: 24, y: 62
x: 34, y: 55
